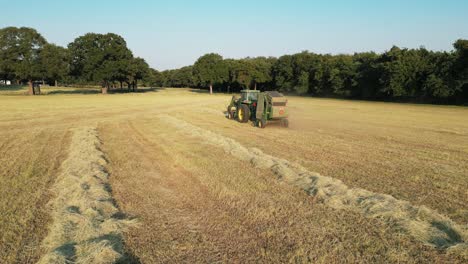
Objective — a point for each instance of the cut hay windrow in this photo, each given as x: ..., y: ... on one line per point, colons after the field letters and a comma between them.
x: 87, y: 226
x: 420, y: 222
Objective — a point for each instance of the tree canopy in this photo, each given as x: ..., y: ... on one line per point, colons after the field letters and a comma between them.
x: 399, y: 74
x: 209, y: 70
x: 54, y: 60
x: 92, y: 58
x: 20, y: 50
x: 100, y: 58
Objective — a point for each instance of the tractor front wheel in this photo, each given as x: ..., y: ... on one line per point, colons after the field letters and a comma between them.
x: 243, y: 113
x: 230, y: 113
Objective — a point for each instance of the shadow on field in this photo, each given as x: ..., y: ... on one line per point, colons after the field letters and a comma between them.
x: 12, y: 87
x: 139, y: 90
x: 98, y: 91
x: 200, y: 91
x: 119, y: 246
x: 74, y: 92
x: 68, y: 251
x: 452, y: 236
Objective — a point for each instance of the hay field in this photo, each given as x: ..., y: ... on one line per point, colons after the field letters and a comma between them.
x: 198, y: 187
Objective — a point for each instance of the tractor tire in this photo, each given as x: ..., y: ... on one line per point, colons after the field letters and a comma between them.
x: 230, y: 114
x: 285, y: 122
x: 243, y: 113
x: 262, y: 123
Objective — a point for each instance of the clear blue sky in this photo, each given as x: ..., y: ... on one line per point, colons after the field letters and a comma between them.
x: 171, y: 34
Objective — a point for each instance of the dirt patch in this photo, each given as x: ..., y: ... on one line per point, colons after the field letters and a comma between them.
x: 420, y: 222
x: 87, y: 226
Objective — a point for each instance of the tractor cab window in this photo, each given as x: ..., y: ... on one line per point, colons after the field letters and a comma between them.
x: 253, y: 96
x: 249, y: 96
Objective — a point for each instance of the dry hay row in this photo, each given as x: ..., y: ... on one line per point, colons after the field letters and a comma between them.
x: 421, y: 222
x: 87, y: 226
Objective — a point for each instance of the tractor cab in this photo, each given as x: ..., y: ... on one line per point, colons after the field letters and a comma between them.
x: 249, y: 96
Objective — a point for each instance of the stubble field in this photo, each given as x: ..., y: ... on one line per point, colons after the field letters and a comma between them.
x: 173, y: 180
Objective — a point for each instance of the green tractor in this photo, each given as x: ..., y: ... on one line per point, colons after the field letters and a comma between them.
x: 259, y: 107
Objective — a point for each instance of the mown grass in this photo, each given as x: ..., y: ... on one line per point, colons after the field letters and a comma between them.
x: 417, y: 153
x: 28, y: 166
x: 196, y: 203
x: 35, y: 133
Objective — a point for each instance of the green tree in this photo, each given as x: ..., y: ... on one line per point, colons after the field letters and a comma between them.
x: 367, y: 75
x: 55, y: 62
x: 260, y: 70
x: 283, y: 73
x: 461, y: 64
x: 9, y: 52
x: 100, y: 57
x: 302, y: 86
x: 403, y: 72
x: 137, y: 70
x: 242, y: 72
x: 210, y: 69
x: 182, y: 77
x: 20, y: 50
x: 342, y: 75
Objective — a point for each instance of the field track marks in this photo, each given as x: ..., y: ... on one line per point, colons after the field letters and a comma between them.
x: 87, y: 227
x: 422, y: 223
x: 175, y: 208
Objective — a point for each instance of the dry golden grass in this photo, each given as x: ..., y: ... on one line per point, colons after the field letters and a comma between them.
x: 198, y: 203
x: 29, y: 163
x: 417, y: 153
x: 422, y: 223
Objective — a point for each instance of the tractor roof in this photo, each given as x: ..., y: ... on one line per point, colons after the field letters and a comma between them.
x: 250, y: 91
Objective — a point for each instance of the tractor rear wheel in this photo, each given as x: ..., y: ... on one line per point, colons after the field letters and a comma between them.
x: 262, y: 123
x: 243, y: 113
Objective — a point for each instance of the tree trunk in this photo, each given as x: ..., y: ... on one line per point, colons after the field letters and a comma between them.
x: 121, y: 85
x: 255, y: 85
x: 211, y: 88
x: 105, y: 88
x: 31, y: 87
x: 38, y: 91
x: 56, y: 83
x: 135, y: 86
x: 229, y: 89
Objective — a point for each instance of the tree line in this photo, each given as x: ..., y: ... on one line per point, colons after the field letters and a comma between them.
x: 399, y: 74
x: 104, y: 59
